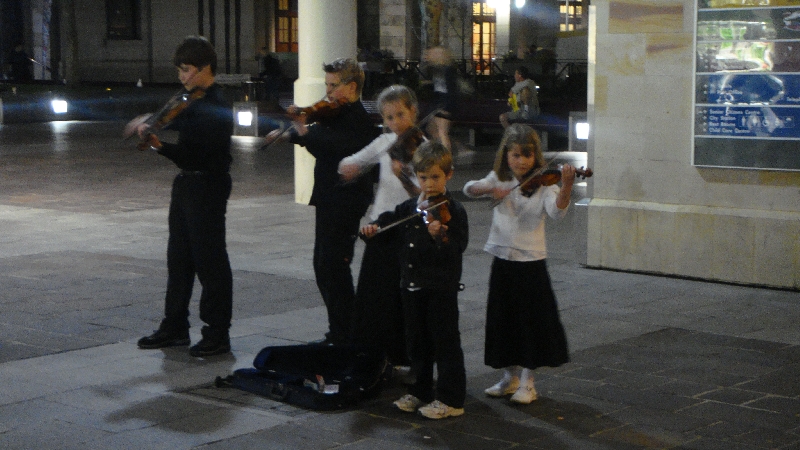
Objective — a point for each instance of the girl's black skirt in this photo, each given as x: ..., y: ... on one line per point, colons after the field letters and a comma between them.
x: 523, y: 327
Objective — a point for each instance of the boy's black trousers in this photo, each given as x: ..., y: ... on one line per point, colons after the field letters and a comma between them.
x: 197, y: 247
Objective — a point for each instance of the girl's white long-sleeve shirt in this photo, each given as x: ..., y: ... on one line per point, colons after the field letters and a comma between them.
x: 517, y: 232
x: 390, y: 191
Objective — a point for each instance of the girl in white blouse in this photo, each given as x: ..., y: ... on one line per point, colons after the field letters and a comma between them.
x: 523, y: 328
x: 378, y: 314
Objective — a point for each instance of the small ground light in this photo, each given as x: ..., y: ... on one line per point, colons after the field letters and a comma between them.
x: 59, y: 106
x: 244, y: 118
x: 582, y: 130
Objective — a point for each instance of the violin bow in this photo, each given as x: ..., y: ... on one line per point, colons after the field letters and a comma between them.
x: 277, y: 138
x: 406, y: 219
x: 283, y: 131
x: 130, y: 129
x: 428, y: 118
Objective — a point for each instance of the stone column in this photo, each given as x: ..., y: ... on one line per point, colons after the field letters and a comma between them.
x: 327, y: 31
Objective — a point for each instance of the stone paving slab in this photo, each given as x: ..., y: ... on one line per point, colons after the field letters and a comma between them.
x: 656, y: 362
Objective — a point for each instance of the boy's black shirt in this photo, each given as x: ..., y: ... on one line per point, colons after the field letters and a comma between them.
x: 428, y: 263
x: 330, y: 140
x: 204, y: 134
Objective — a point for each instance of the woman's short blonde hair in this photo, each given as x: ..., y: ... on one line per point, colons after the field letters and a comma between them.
x: 348, y: 71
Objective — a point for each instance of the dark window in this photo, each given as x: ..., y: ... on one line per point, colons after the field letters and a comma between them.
x: 122, y: 19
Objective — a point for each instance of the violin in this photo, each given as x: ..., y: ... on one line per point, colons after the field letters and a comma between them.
x: 542, y: 177
x: 439, y: 211
x: 547, y: 177
x: 164, y: 116
x: 321, y: 110
x: 406, y: 145
x: 435, y: 208
x: 403, y: 151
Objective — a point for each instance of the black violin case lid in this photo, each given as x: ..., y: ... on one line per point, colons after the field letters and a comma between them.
x: 317, y: 377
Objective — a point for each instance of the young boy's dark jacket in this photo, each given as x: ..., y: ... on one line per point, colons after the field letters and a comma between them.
x: 428, y: 263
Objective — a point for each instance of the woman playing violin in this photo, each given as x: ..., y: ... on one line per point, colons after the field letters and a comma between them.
x: 200, y: 192
x: 523, y: 328
x: 339, y: 206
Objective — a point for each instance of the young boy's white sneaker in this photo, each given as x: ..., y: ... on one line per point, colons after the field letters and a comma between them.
x: 408, y: 403
x: 503, y: 387
x: 524, y: 395
x: 438, y: 410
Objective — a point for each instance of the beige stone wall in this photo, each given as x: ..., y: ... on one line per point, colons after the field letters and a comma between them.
x: 651, y: 210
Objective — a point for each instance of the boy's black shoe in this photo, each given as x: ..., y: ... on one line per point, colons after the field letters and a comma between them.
x: 163, y: 338
x: 209, y: 347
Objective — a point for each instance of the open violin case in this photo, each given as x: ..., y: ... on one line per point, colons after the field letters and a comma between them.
x: 317, y: 377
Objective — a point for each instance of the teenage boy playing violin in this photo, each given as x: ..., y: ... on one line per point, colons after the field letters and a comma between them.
x: 431, y: 260
x: 339, y: 206
x: 523, y: 328
x: 196, y: 245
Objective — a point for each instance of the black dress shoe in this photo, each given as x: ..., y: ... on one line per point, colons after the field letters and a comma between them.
x: 163, y: 338
x: 209, y: 347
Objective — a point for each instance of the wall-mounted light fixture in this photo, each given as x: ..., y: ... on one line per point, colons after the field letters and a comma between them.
x: 59, y: 106
x: 578, y: 131
x: 582, y: 130
x: 245, y: 119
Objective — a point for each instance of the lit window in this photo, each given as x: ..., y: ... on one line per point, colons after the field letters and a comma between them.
x: 484, y: 19
x: 572, y: 14
x: 286, y: 26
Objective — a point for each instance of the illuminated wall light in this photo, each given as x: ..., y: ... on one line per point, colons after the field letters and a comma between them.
x: 244, y: 118
x: 245, y: 115
x: 582, y: 130
x: 519, y: 3
x: 59, y: 106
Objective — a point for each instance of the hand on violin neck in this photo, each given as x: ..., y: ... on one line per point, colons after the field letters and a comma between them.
x: 567, y: 175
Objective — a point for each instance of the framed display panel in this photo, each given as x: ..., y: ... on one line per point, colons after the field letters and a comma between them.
x: 747, y: 84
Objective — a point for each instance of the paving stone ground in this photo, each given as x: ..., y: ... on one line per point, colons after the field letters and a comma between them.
x: 657, y: 362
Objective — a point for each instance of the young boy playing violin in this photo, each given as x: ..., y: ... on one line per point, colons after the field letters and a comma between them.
x: 339, y: 206
x: 200, y: 192
x: 431, y: 260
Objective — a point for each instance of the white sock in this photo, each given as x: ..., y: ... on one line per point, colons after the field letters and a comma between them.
x: 526, y: 378
x: 510, y: 373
